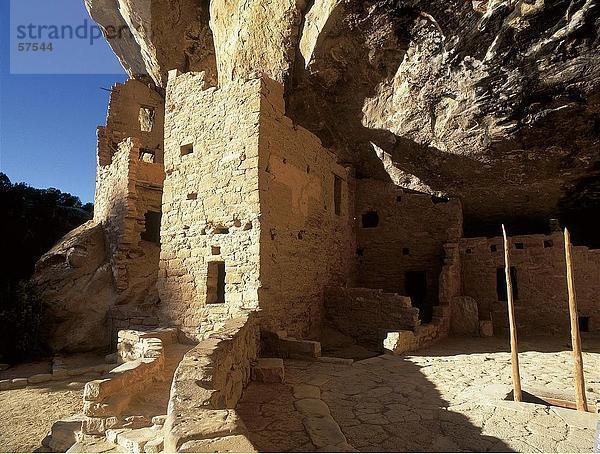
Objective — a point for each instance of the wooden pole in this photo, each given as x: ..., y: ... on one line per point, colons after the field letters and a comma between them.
x: 575, y: 338
x: 516, y: 376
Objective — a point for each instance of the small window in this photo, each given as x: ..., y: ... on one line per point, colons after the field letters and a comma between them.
x: 215, y: 250
x: 370, y: 220
x: 469, y: 250
x: 493, y: 248
x: 146, y: 119
x: 192, y: 196
x: 548, y: 243
x: 337, y: 195
x: 501, y: 284
x: 519, y: 246
x: 152, y: 227
x: 360, y: 252
x: 584, y: 324
x: 187, y: 149
x: 221, y: 231
x: 398, y: 198
x: 215, y: 283
x: 147, y: 155
x: 405, y: 251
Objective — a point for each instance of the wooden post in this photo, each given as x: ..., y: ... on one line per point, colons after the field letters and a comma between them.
x: 575, y: 338
x: 516, y: 376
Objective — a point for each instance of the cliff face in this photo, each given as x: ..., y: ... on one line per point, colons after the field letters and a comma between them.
x: 493, y: 101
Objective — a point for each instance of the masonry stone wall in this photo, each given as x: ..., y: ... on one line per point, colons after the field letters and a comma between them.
x: 126, y: 189
x: 210, y: 201
x: 307, y: 238
x: 367, y: 315
x: 247, y: 188
x: 409, y: 236
x: 539, y: 261
x: 208, y: 384
x: 125, y: 119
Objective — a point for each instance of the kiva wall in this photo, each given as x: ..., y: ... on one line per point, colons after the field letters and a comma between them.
x: 409, y: 236
x: 541, y: 304
x: 307, y: 205
x: 210, y: 202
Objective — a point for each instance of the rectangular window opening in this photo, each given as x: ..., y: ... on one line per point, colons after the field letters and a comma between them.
x: 584, y: 324
x: 215, y: 283
x: 337, y: 195
x: 146, y: 117
x: 501, y: 284
x: 152, y: 227
x: 370, y: 220
x: 147, y: 155
x: 187, y: 149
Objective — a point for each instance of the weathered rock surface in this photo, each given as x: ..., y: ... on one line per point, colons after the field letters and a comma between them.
x: 74, y: 284
x: 494, y: 101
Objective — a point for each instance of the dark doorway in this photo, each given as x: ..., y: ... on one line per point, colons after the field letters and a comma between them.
x: 215, y: 284
x: 501, y: 284
x: 152, y: 224
x: 370, y: 220
x: 415, y: 286
x: 584, y: 324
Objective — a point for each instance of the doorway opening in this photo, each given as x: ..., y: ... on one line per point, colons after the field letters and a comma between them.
x: 415, y: 286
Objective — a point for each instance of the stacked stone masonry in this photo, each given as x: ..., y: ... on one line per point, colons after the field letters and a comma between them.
x: 207, y: 386
x: 128, y: 198
x: 541, y: 298
x: 142, y: 359
x: 401, y: 237
x: 247, y: 189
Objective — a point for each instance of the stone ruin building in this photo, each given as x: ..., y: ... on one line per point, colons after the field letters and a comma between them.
x: 274, y: 172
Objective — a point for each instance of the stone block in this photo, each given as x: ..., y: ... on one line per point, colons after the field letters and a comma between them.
x: 234, y: 443
x: 400, y: 342
x: 155, y: 445
x: 63, y: 433
x: 312, y: 407
x: 18, y: 383
x: 39, y: 378
x: 323, y: 431
x: 5, y: 385
x: 134, y: 440
x: 486, y: 328
x: 465, y: 316
x: 195, y: 424
x: 298, y: 348
x: 268, y: 370
x: 303, y: 391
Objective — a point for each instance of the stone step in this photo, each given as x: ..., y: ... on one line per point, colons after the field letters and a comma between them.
x: 268, y: 370
x: 135, y: 441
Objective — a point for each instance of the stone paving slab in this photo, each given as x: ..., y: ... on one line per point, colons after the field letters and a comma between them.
x: 445, y: 398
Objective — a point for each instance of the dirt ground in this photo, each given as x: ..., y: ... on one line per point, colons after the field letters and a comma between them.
x: 27, y: 414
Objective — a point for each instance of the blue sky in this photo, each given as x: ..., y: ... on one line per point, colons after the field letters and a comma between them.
x: 48, y: 122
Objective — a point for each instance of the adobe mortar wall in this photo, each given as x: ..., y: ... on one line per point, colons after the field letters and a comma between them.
x: 542, y: 304
x: 207, y: 191
x: 304, y: 245
x: 406, y: 220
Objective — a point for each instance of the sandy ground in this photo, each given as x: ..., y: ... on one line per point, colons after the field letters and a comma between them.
x: 27, y: 414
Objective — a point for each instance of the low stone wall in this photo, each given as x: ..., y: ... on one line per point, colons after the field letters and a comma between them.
x: 398, y: 342
x: 206, y: 388
x: 368, y: 314
x: 142, y: 361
